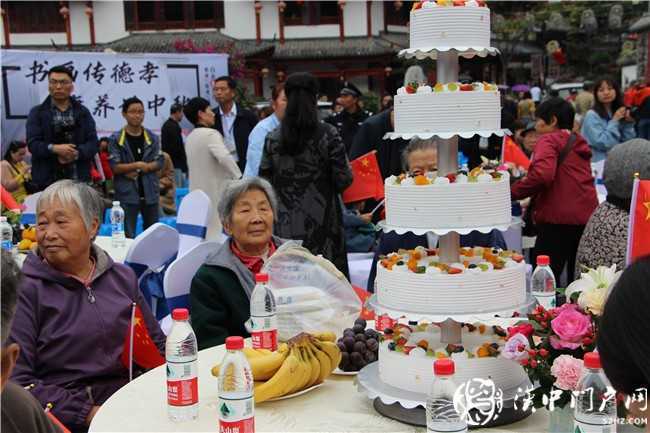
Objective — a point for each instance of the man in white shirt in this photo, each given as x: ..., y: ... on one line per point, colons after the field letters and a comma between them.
x: 234, y: 122
x: 536, y: 94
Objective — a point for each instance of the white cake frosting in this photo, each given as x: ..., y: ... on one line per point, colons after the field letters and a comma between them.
x: 447, y: 112
x: 456, y: 205
x: 450, y: 26
x: 415, y: 373
x: 439, y: 293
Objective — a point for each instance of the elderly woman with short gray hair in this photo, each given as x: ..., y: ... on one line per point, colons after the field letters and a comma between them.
x: 74, y: 309
x: 604, y: 240
x: 221, y: 289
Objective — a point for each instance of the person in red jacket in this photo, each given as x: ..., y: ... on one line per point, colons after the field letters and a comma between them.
x: 561, y: 184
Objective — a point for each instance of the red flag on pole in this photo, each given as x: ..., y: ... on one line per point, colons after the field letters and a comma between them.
x: 367, y: 182
x: 638, y: 235
x: 511, y: 152
x: 145, y: 352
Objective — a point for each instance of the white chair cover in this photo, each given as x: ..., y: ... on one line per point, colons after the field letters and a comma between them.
x: 151, y: 251
x: 192, y: 220
x: 178, y: 277
x: 28, y: 215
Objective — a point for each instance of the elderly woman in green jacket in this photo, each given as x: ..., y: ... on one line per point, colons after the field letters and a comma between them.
x: 221, y: 289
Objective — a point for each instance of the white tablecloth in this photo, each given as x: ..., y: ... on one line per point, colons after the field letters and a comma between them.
x: 336, y: 406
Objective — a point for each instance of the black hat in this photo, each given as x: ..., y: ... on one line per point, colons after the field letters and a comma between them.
x: 350, y: 89
x: 530, y: 126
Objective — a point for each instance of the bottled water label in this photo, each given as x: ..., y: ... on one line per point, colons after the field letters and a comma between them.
x: 264, y: 332
x: 182, y: 383
x: 443, y: 418
x: 545, y: 299
x: 236, y: 415
x: 7, y: 245
x: 117, y: 227
x: 582, y: 427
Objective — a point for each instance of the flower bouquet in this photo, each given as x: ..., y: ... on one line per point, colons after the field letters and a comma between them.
x: 552, y: 343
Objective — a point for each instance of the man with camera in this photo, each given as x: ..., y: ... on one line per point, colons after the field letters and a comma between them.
x: 61, y: 133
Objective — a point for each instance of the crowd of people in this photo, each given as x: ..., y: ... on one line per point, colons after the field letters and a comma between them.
x: 271, y: 181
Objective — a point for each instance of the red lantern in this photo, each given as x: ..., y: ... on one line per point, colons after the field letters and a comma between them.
x: 398, y: 5
x: 258, y: 7
x: 88, y: 11
x: 64, y: 11
x: 282, y: 6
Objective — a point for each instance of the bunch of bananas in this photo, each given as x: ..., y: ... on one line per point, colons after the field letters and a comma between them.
x: 303, y: 361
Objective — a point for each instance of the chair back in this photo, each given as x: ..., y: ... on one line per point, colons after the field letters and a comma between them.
x: 192, y: 220
x: 149, y: 255
x: 178, y: 278
x: 28, y: 215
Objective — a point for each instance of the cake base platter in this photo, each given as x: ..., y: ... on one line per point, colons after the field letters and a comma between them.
x: 408, y: 407
x: 421, y: 53
x: 464, y: 317
x: 383, y: 225
x: 447, y: 134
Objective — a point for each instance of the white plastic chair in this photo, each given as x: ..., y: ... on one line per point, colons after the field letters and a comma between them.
x: 178, y: 278
x: 28, y: 215
x: 192, y: 220
x: 149, y: 253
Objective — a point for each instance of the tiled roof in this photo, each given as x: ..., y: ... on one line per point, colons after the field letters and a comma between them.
x: 322, y: 48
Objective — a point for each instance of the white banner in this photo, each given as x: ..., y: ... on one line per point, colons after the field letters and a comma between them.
x: 103, y: 81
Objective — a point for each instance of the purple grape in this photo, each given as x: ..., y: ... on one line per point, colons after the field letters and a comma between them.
x: 355, y: 357
x: 360, y: 347
x: 349, y: 343
x: 361, y: 322
x: 342, y: 346
x: 348, y: 332
x: 360, y: 364
x: 358, y: 329
x: 370, y: 357
x: 360, y: 337
x: 372, y: 345
x: 345, y: 359
x: 371, y: 333
x: 348, y: 367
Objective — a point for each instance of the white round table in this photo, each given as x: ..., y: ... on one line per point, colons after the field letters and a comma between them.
x: 336, y: 406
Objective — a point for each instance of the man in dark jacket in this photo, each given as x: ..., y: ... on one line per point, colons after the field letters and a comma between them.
x: 370, y: 136
x: 171, y: 139
x: 349, y: 120
x: 233, y: 121
x: 61, y: 133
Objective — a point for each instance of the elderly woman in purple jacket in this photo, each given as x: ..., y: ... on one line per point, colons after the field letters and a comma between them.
x: 74, y: 309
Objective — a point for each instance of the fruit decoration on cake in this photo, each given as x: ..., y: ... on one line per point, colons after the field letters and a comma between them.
x: 415, y: 87
x: 447, y: 3
x: 475, y: 260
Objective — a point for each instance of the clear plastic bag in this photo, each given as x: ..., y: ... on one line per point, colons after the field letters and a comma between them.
x: 310, y: 293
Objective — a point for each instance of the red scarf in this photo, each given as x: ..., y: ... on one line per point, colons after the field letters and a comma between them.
x: 253, y: 263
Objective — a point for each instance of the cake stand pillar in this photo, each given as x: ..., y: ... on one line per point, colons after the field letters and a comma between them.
x: 447, y: 72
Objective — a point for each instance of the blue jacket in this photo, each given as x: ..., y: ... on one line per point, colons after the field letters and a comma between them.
x: 391, y: 242
x: 126, y: 189
x: 40, y: 135
x: 603, y: 134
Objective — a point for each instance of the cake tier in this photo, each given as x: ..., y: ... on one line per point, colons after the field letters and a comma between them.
x: 415, y: 373
x: 450, y: 27
x: 451, y: 205
x: 467, y: 292
x: 435, y: 112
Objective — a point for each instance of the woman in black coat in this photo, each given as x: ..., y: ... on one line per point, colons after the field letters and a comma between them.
x: 306, y: 162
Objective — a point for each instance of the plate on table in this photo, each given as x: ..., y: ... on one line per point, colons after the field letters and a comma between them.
x: 297, y: 393
x: 340, y: 372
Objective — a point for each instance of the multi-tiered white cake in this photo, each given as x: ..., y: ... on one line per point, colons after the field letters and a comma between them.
x: 423, y: 282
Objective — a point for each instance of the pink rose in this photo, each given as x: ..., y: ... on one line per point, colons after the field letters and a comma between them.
x: 556, y: 311
x: 525, y: 328
x: 570, y: 326
x: 516, y: 348
x: 567, y: 371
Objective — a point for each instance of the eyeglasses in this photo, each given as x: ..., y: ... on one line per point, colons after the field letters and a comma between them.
x: 55, y: 83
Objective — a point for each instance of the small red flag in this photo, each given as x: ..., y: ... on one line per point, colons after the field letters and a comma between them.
x: 363, y: 295
x: 638, y: 235
x: 513, y: 153
x: 367, y: 182
x: 145, y: 351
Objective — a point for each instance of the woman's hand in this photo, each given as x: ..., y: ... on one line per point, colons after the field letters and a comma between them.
x: 91, y: 414
x: 619, y: 114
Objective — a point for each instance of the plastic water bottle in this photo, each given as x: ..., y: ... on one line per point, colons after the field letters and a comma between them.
x: 595, y: 409
x: 182, y: 369
x: 441, y: 414
x: 236, y: 385
x: 263, y: 321
x: 7, y: 234
x: 117, y: 226
x: 543, y: 283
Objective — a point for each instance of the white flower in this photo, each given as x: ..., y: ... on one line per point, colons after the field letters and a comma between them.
x: 594, y: 287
